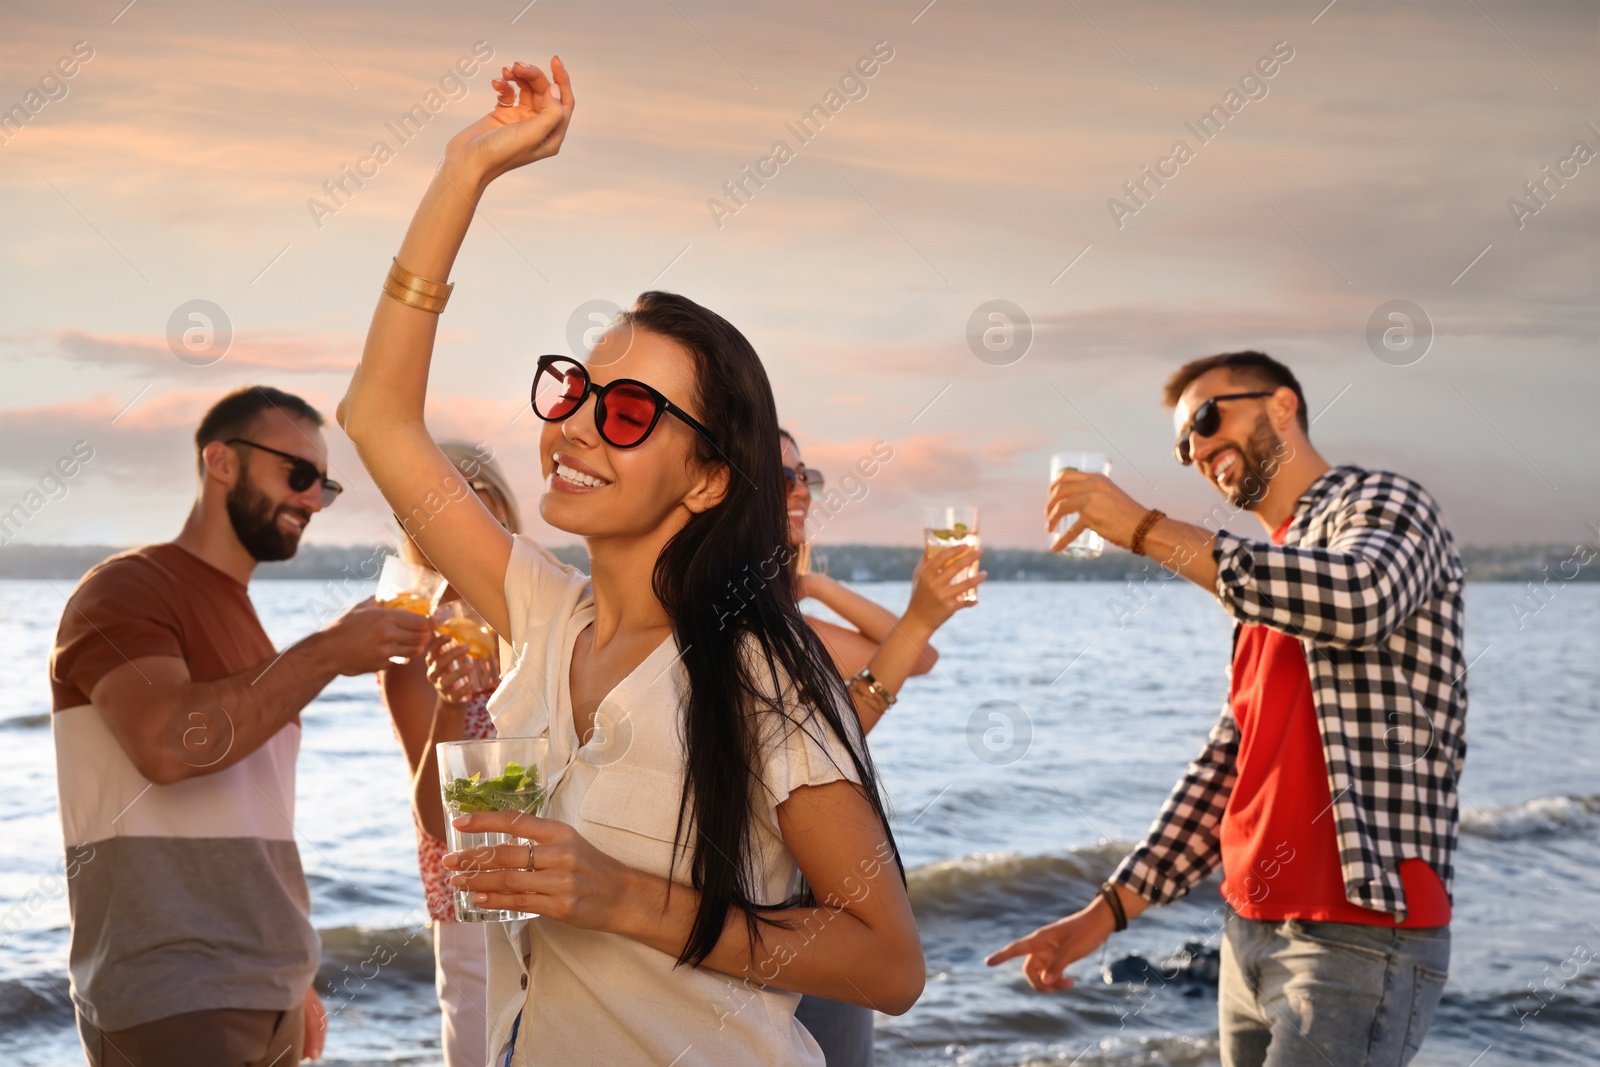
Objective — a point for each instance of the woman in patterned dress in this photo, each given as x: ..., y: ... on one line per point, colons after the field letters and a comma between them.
x: 426, y: 706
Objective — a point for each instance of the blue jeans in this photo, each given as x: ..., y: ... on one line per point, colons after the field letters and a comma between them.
x: 843, y: 1030
x: 1297, y: 993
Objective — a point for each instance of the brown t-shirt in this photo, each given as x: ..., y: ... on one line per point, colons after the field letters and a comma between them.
x: 159, y: 600
x: 189, y: 896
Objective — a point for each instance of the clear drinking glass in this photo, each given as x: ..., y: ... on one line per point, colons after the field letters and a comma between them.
x: 461, y: 623
x: 408, y: 587
x: 1088, y: 544
x: 496, y: 774
x: 946, y: 526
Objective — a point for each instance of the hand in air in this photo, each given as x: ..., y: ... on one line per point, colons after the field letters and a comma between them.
x: 528, y: 123
x: 1099, y: 503
x: 935, y: 593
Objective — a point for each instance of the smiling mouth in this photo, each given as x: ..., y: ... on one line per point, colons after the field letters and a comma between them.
x: 576, y: 477
x: 1228, y: 465
x: 293, y: 523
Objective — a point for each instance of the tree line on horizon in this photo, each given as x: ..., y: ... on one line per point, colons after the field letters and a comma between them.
x: 850, y: 562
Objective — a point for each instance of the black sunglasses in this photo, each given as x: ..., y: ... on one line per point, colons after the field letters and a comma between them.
x: 625, y: 411
x: 1205, y: 422
x: 812, y: 478
x: 303, y: 474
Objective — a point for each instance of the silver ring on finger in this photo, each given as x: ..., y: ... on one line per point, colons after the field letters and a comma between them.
x: 529, y: 864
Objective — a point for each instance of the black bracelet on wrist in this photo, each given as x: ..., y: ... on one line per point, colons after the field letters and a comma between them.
x: 1119, y: 917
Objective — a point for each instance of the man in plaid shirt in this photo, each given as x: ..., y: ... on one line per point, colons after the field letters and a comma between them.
x: 1326, y: 791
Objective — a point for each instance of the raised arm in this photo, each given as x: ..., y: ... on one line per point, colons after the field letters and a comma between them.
x: 382, y: 410
x: 850, y: 649
x: 1387, y: 555
x: 874, y: 623
x: 934, y: 598
x: 173, y: 728
x: 872, y: 619
x: 1389, y: 551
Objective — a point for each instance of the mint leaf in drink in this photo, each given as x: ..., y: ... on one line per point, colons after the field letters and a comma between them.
x: 515, y: 789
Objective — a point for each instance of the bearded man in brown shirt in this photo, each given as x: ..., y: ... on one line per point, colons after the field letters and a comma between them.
x: 176, y: 726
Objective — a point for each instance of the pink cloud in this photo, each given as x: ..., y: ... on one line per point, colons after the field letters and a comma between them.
x: 149, y: 432
x: 274, y: 350
x: 885, y: 506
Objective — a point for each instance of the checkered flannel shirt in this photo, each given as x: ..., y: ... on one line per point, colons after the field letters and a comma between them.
x: 1369, y: 580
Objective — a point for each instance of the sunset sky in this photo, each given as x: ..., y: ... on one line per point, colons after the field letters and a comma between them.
x: 182, y: 159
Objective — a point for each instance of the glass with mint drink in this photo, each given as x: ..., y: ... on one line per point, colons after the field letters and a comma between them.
x: 1088, y: 544
x: 946, y: 526
x: 497, y: 774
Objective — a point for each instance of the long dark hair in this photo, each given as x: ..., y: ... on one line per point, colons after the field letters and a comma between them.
x: 725, y: 582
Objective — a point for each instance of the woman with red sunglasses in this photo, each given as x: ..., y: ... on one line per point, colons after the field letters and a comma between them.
x: 876, y: 652
x: 702, y: 747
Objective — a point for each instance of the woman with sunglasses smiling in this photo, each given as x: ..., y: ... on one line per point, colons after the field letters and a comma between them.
x: 698, y: 757
x: 876, y: 652
x: 878, y: 646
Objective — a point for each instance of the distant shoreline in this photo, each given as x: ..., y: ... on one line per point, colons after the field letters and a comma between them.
x: 862, y: 563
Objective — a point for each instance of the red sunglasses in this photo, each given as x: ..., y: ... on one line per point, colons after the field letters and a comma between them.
x: 625, y: 411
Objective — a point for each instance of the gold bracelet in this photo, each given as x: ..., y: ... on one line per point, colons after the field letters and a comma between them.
x: 432, y: 305
x: 1151, y: 517
x: 875, y: 687
x: 418, y: 284
x: 415, y: 291
x: 861, y: 695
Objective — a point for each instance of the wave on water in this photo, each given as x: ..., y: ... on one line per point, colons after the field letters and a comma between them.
x: 37, y: 999
x: 361, y: 697
x: 357, y: 962
x: 358, y: 951
x: 363, y: 967
x: 1168, y: 1050
x: 1001, y: 882
x: 1533, y: 818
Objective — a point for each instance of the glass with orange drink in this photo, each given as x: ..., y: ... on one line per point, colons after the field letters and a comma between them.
x: 462, y: 624
x: 406, y: 586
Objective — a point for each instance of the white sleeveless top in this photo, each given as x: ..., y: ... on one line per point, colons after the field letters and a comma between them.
x: 597, y: 998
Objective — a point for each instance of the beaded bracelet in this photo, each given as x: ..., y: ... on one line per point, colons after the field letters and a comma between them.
x: 1151, y: 517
